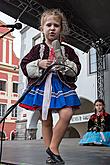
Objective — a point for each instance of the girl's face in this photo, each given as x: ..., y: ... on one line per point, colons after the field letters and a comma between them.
x: 99, y: 107
x: 51, y: 28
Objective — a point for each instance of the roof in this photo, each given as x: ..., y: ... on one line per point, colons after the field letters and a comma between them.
x: 88, y: 20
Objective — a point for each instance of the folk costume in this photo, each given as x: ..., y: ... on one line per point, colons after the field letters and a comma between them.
x: 57, y: 89
x: 98, y: 130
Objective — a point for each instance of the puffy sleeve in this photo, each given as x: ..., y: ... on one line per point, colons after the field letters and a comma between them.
x: 29, y: 64
x: 72, y: 61
x: 91, y: 123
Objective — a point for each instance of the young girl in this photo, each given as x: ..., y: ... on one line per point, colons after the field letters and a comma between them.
x: 56, y: 91
x: 98, y: 126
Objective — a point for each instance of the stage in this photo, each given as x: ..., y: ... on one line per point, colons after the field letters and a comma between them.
x: 32, y: 152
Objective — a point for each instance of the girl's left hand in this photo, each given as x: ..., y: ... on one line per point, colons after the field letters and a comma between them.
x: 45, y: 63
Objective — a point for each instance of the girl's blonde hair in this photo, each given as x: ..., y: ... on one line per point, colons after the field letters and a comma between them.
x: 60, y: 15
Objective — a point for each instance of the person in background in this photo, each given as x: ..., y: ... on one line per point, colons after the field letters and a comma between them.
x: 56, y: 90
x: 98, y: 132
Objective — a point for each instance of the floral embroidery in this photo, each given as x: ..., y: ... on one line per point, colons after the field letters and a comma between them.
x: 99, y: 121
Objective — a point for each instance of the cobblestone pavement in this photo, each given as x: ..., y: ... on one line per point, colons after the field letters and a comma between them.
x: 32, y: 152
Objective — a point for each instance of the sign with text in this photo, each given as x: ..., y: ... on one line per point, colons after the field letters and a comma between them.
x: 81, y: 118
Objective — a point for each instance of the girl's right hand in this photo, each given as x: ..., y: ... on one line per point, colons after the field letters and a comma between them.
x: 95, y: 129
x: 45, y: 63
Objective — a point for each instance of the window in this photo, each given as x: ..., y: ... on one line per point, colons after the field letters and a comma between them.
x: 15, y: 87
x: 93, y: 61
x: 2, y: 85
x: 14, y: 112
x: 2, y: 109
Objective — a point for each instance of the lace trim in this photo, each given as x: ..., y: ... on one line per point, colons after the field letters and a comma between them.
x: 41, y: 51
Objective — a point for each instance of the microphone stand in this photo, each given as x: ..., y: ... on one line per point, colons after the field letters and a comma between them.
x: 11, y: 30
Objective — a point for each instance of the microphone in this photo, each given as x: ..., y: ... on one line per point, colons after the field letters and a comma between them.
x: 59, y: 56
x: 17, y: 26
x: 58, y: 52
x: 62, y: 61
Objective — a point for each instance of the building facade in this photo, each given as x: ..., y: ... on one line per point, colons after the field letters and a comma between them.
x: 9, y: 80
x: 86, y: 89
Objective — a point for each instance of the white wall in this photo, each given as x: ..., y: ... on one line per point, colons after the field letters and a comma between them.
x: 27, y: 34
x: 86, y: 84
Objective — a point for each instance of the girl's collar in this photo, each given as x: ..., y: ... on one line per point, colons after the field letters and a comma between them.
x: 102, y: 114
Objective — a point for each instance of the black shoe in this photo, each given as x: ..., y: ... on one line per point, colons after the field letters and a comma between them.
x: 50, y: 161
x: 54, y: 159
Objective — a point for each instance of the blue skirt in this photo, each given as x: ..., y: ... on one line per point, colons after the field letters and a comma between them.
x: 96, y: 138
x: 62, y: 96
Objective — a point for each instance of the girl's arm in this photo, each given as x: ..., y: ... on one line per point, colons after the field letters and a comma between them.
x: 72, y: 60
x: 73, y: 70
x: 29, y: 64
x: 33, y: 69
x: 90, y: 125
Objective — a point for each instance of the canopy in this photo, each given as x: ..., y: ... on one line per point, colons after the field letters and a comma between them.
x: 88, y: 19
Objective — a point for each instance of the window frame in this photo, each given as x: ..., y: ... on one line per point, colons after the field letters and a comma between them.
x: 15, y: 91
